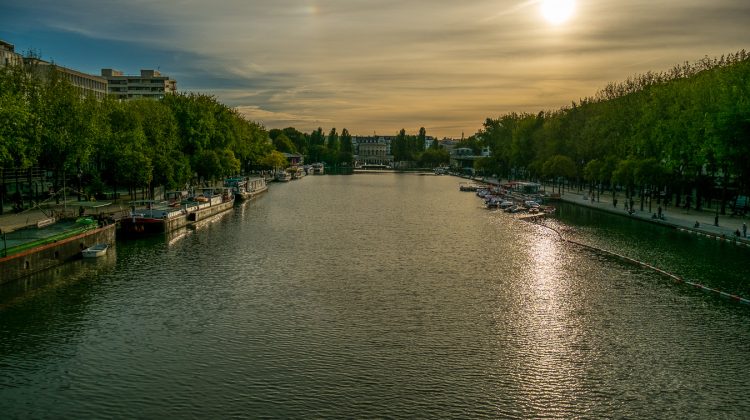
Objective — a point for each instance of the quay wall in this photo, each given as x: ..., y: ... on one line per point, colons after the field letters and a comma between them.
x: 209, y: 211
x: 37, y: 259
x: 175, y: 223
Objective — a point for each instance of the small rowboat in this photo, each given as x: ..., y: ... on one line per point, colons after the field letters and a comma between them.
x: 97, y: 250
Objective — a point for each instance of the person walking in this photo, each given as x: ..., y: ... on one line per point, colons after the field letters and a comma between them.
x: 744, y: 230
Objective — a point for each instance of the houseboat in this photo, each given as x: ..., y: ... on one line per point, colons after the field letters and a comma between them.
x: 245, y: 188
x: 256, y: 186
x: 148, y: 217
x: 209, y: 201
x: 239, y: 188
x: 157, y: 217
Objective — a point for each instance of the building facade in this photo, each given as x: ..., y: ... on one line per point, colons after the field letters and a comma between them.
x: 8, y: 55
x: 85, y: 84
x: 375, y: 150
x: 149, y: 84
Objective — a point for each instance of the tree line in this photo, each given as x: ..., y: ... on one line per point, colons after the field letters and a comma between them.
x: 683, y: 135
x: 107, y: 144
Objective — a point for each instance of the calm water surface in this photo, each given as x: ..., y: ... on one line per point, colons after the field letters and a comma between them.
x: 382, y: 296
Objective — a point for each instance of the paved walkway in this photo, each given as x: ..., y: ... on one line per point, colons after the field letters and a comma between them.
x: 672, y: 216
x: 678, y: 218
x: 10, y: 221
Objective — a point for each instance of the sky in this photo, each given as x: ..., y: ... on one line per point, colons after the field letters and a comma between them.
x: 377, y: 66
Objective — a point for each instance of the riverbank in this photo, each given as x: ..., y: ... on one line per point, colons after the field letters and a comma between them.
x: 690, y: 221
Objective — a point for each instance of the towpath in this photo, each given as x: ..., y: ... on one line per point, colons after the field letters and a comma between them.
x: 676, y: 217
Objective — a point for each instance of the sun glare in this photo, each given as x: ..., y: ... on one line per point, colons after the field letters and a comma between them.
x: 557, y: 11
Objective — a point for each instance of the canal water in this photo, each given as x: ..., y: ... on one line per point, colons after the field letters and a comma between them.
x: 382, y: 295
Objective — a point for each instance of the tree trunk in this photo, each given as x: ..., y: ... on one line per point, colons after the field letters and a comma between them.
x: 724, y: 192
x: 2, y: 190
x: 642, y: 192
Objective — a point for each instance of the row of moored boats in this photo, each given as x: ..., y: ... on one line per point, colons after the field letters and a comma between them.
x: 185, y: 207
x: 499, y: 197
x: 297, y: 172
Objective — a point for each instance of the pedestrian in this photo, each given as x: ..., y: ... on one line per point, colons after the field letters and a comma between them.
x: 658, y: 212
x: 614, y: 203
x: 744, y: 230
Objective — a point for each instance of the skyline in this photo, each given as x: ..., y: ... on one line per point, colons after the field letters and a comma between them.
x: 379, y: 66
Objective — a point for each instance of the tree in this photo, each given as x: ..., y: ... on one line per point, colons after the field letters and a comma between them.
x: 333, y: 141
x: 274, y: 160
x: 559, y: 167
x: 283, y: 144
x: 432, y: 158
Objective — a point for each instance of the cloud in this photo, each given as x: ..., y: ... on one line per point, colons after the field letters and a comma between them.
x: 387, y: 64
x: 278, y: 119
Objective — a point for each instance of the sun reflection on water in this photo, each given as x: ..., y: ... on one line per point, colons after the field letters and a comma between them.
x: 551, y: 364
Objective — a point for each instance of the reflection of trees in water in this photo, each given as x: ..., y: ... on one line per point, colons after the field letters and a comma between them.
x: 51, y: 300
x: 707, y: 261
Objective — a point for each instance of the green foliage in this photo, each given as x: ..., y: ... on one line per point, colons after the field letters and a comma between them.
x: 407, y: 147
x: 434, y: 157
x: 672, y: 129
x: 333, y: 141
x: 283, y: 144
x: 274, y: 160
x: 45, y: 122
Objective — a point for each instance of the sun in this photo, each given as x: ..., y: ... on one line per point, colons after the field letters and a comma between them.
x: 557, y: 11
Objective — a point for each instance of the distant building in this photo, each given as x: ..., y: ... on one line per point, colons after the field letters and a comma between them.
x: 294, y: 159
x: 86, y: 84
x: 8, y: 55
x: 448, y: 144
x: 375, y: 150
x: 463, y: 158
x: 149, y: 84
x: 428, y: 142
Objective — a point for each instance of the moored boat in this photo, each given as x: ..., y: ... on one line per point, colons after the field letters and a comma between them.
x: 239, y: 187
x: 209, y: 201
x: 297, y: 173
x: 282, y: 176
x: 98, y: 250
x: 464, y: 186
x: 256, y: 186
x: 150, y: 217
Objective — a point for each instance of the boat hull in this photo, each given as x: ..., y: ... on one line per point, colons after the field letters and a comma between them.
x: 95, y: 251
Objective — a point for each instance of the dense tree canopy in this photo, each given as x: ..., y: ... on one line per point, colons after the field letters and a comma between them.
x: 44, y: 122
x: 679, y: 131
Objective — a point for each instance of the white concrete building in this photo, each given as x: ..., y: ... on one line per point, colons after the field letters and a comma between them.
x: 149, y: 84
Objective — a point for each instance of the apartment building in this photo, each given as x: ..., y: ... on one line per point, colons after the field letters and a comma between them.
x: 149, y: 84
x: 8, y: 55
x: 86, y: 84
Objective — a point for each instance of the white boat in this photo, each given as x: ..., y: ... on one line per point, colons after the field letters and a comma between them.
x: 282, y: 176
x: 97, y: 250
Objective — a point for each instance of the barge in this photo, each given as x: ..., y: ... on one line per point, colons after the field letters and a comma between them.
x: 148, y: 217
